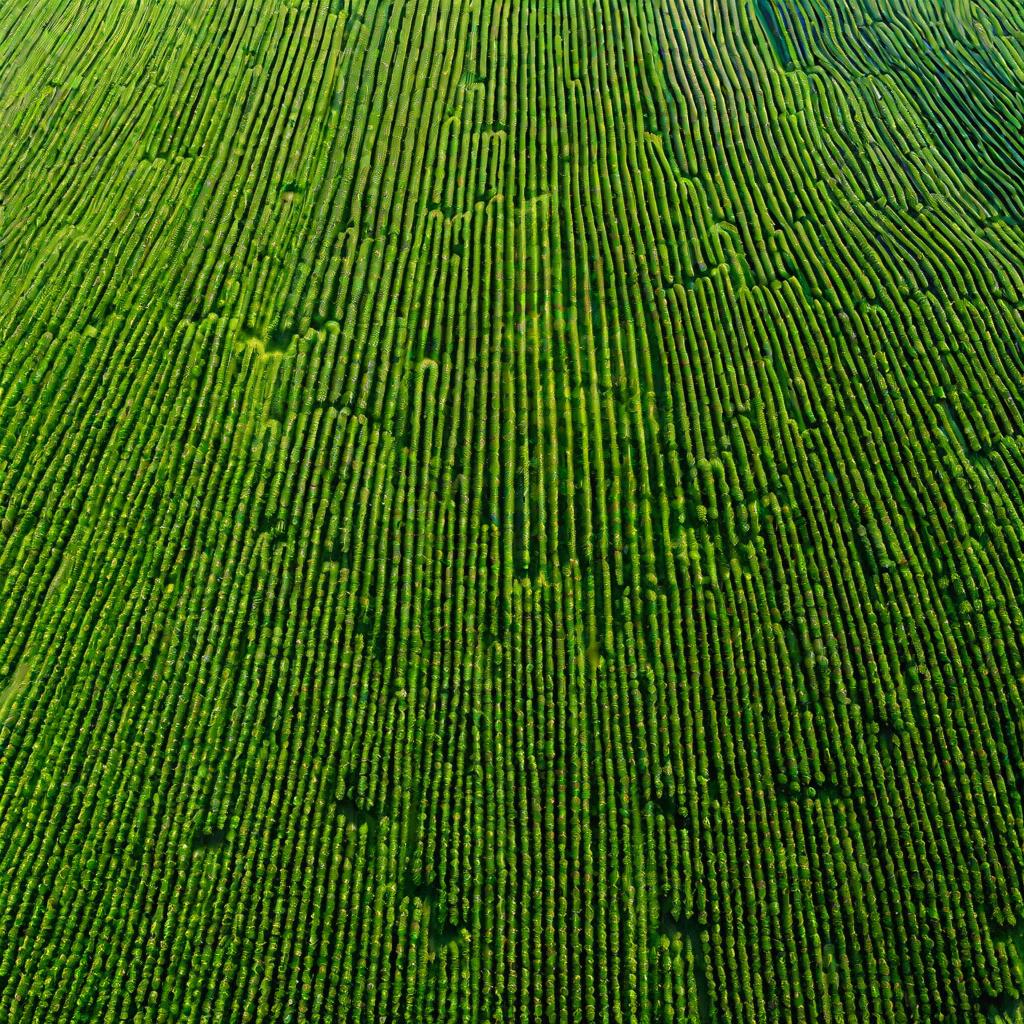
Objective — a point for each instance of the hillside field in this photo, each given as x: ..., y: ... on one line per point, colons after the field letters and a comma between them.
x: 512, y: 511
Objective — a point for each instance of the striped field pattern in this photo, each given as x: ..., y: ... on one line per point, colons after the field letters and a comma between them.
x: 512, y: 511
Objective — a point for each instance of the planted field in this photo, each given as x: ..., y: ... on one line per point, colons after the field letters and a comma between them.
x: 511, y: 511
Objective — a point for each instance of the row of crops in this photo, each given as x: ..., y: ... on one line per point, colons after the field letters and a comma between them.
x: 511, y: 511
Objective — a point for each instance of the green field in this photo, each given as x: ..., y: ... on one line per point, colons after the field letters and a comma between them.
x: 512, y: 511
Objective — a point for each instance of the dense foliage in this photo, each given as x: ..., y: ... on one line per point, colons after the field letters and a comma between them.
x: 511, y: 511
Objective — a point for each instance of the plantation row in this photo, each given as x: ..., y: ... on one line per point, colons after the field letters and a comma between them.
x: 511, y: 511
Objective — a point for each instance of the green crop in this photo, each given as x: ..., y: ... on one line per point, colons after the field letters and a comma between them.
x: 512, y: 512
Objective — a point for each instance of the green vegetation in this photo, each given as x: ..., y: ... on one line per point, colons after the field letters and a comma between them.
x: 512, y: 511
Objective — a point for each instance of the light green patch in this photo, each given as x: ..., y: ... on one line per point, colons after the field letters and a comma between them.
x: 17, y: 685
